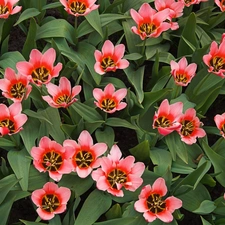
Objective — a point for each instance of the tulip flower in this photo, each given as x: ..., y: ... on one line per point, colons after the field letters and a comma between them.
x: 153, y: 205
x: 40, y: 66
x: 220, y: 123
x: 7, y: 8
x: 50, y: 200
x: 109, y: 100
x: 221, y: 4
x: 116, y: 172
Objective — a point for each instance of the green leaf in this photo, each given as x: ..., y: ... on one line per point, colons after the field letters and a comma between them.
x: 120, y: 221
x: 186, y: 104
x: 56, y: 28
x: 94, y: 20
x: 51, y: 5
x: 205, y: 207
x: 188, y: 35
x: 88, y: 113
x: 133, y: 56
x: 6, y: 143
x: 31, y: 223
x: 205, y: 222
x: 96, y: 204
x: 26, y: 14
x: 20, y: 163
x: 117, y: 122
x: 114, y: 212
x: 105, y: 135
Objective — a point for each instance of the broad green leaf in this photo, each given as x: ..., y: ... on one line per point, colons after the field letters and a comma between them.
x: 94, y: 20
x: 32, y: 223
x: 133, y: 56
x: 88, y: 113
x: 206, y: 207
x: 136, y: 77
x: 56, y: 28
x: 36, y: 115
x: 134, y: 4
x: 141, y: 151
x: 20, y: 163
x: 220, y: 206
x: 188, y: 34
x: 105, y: 135
x: 96, y: 204
x: 52, y: 5
x: 205, y: 222
x: 6, y: 184
x: 114, y: 212
x: 55, y: 221
x: 186, y: 104
x: 3, y: 168
x: 26, y: 14
x: 217, y: 161
x: 117, y: 122
x: 6, y: 143
x: 119, y: 221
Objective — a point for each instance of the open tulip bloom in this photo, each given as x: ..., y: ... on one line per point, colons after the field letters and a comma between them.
x: 40, y: 66
x: 52, y: 157
x: 85, y: 154
x: 153, y: 205
x: 50, y: 200
x: 109, y: 100
x: 7, y: 7
x: 62, y: 95
x: 116, y: 172
x: 167, y: 117
x: 182, y: 72
x: 220, y: 123
x: 15, y: 86
x: 11, y: 119
x: 150, y: 23
x: 110, y: 59
x: 79, y: 7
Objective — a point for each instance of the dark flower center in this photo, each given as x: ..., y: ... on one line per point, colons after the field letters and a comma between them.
x: 9, y: 124
x: 116, y: 176
x: 181, y: 78
x: 187, y: 127
x: 108, y: 104
x: 40, y: 74
x: 17, y: 90
x: 147, y: 28
x: 162, y: 122
x: 78, y: 7
x: 50, y: 203
x: 107, y: 62
x: 84, y: 159
x: 52, y: 161
x: 223, y: 128
x: 155, y: 203
x: 63, y: 99
x: 4, y: 9
x: 217, y: 63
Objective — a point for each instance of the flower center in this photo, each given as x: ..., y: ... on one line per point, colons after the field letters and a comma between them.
x: 162, y: 122
x: 50, y: 203
x: 84, y: 159
x: 108, y: 104
x: 78, y: 7
x: 217, y: 63
x: 3, y: 9
x: 147, y: 28
x: 116, y: 176
x: 107, y: 62
x: 40, y: 74
x: 9, y: 124
x: 63, y: 99
x: 17, y: 90
x: 155, y: 203
x: 187, y: 127
x: 181, y: 78
x: 52, y: 161
x: 223, y: 128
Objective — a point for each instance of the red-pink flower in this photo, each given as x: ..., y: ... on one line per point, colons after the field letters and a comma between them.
x: 109, y: 100
x: 190, y: 128
x: 220, y: 123
x: 62, y: 95
x: 150, y: 23
x: 40, y: 66
x: 221, y: 4
x: 50, y: 200
x: 52, y: 157
x: 167, y: 117
x: 116, y: 172
x: 11, y: 119
x: 7, y: 8
x: 182, y: 72
x: 85, y: 154
x: 15, y: 86
x: 215, y: 60
x: 79, y: 7
x: 188, y: 3
x: 176, y: 10
x: 110, y: 59
x: 153, y: 205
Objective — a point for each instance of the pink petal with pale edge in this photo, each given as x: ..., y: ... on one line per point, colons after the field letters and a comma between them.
x: 98, y: 69
x: 50, y: 187
x: 4, y: 111
x: 15, y: 109
x: 121, y: 106
x: 150, y: 217
x: 99, y: 149
x: 107, y: 48
x: 45, y: 215
x: 146, y: 11
x: 145, y: 192
x: 159, y: 187
x: 36, y: 196
x: 120, y: 94
x: 48, y: 58
x: 119, y: 52
x: 141, y: 205
x: 55, y: 176
x: 123, y: 64
x: 109, y: 90
x: 96, y: 174
x: 136, y: 16
x: 115, y: 154
x: 16, y: 10
x: 83, y: 172
x: 64, y: 194
x: 85, y: 139
x: 165, y: 216
x: 102, y: 184
x: 76, y: 90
